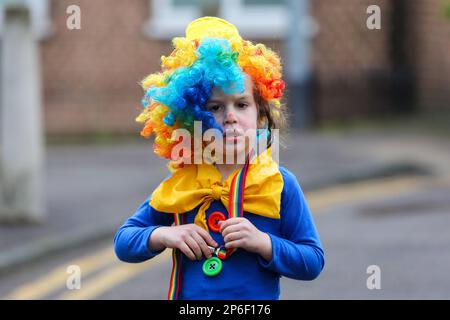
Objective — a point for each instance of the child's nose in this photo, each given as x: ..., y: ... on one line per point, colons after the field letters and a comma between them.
x: 230, y: 117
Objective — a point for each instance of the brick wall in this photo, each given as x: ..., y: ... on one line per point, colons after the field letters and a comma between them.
x: 91, y: 75
x: 432, y: 54
x: 347, y: 57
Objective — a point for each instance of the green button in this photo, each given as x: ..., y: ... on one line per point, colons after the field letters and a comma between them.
x: 212, y: 266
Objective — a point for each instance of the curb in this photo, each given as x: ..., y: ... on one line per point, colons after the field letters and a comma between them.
x: 42, y: 248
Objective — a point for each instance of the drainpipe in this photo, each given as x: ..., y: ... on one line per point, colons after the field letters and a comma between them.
x: 301, y: 28
x: 21, y: 138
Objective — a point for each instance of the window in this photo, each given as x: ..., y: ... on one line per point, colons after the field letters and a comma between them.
x: 251, y: 17
x: 261, y: 2
x: 40, y: 17
x: 169, y: 18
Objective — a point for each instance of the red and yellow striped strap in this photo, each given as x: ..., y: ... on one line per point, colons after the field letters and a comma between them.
x: 236, y: 202
x: 175, y: 277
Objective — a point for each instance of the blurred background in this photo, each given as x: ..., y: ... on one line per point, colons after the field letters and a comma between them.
x: 369, y: 96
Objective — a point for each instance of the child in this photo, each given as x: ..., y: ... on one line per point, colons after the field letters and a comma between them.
x: 235, y: 226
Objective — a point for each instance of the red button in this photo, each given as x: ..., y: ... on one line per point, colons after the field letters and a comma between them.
x: 213, y: 221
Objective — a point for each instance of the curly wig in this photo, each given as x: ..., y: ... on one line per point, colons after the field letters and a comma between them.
x: 212, y: 54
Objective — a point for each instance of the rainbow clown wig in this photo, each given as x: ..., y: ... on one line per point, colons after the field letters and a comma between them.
x: 212, y: 54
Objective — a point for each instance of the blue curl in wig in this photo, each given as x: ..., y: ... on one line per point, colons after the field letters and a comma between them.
x: 189, y: 88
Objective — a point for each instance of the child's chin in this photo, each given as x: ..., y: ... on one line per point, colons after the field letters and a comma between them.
x: 234, y: 154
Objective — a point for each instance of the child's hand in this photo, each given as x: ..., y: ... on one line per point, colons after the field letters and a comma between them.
x: 241, y: 233
x: 191, y: 239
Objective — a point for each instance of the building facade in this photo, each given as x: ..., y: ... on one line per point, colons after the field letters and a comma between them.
x: 90, y: 76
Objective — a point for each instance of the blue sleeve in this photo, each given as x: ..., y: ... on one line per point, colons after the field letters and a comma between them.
x: 298, y: 252
x: 131, y: 240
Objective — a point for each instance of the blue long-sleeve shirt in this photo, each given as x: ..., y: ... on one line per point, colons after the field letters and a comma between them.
x: 296, y: 249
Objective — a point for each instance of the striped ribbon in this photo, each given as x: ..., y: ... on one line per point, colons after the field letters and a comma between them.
x: 175, y: 277
x: 236, y: 199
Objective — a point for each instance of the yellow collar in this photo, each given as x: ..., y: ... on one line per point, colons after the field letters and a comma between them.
x: 201, y: 184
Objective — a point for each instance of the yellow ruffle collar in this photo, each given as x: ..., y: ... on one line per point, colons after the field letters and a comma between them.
x: 201, y: 184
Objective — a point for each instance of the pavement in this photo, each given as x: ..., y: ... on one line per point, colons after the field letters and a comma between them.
x: 92, y: 189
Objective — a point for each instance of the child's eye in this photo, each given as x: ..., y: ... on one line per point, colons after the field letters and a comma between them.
x: 213, y: 108
x: 242, y: 105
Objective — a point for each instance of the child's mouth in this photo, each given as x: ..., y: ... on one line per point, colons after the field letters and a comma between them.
x: 232, y: 135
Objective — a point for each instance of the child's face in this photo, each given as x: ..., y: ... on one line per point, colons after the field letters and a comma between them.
x: 238, y: 116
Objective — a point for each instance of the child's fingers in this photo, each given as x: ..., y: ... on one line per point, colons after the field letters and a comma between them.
x: 206, y: 236
x: 194, y: 247
x: 203, y: 246
x: 230, y: 229
x: 229, y: 222
x: 233, y: 236
x: 187, y: 251
x: 234, y: 244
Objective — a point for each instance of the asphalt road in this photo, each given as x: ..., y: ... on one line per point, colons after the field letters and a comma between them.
x: 399, y: 225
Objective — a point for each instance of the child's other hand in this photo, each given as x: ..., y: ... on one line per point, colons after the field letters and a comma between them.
x: 191, y: 239
x: 241, y: 233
